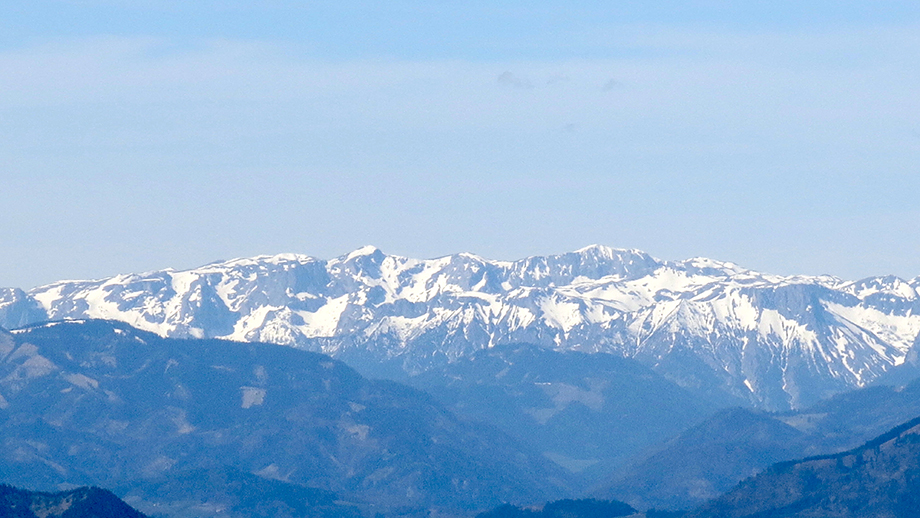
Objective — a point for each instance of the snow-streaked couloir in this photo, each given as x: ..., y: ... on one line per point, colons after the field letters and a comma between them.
x: 775, y: 341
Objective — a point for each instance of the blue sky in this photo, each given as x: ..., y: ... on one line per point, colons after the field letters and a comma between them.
x: 144, y: 134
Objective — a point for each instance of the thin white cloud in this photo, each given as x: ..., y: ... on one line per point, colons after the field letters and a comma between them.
x: 509, y: 79
x: 708, y: 127
x: 760, y: 88
x: 611, y: 84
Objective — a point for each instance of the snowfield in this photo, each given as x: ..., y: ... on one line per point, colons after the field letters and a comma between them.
x: 778, y: 342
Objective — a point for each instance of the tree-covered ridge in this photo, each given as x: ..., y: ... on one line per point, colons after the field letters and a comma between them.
x: 567, y: 508
x: 83, y: 502
x: 879, y: 479
x: 167, y: 421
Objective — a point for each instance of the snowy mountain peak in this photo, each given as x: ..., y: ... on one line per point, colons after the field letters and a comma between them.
x: 708, y: 266
x: 367, y: 250
x: 606, y: 252
x: 699, y: 321
x: 889, y: 285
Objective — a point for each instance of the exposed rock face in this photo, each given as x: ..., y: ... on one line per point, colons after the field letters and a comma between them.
x: 778, y: 342
x: 17, y: 309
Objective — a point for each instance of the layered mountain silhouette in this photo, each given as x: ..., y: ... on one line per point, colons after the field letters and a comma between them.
x: 777, y: 342
x: 588, y: 412
x: 880, y: 479
x: 205, y: 427
x: 173, y: 423
x: 733, y: 444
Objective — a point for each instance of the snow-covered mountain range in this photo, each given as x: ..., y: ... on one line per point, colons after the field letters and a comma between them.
x: 776, y: 341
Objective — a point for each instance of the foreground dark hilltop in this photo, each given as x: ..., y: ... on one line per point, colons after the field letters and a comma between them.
x: 148, y: 408
x: 173, y: 424
x: 84, y: 502
x: 880, y: 479
x: 196, y: 428
x: 776, y: 342
x: 710, y: 458
x: 586, y: 508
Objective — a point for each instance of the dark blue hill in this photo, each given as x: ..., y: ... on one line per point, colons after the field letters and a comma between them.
x: 880, y: 479
x: 83, y: 502
x: 102, y: 403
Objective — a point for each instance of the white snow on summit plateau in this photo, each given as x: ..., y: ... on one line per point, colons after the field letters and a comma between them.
x: 780, y: 341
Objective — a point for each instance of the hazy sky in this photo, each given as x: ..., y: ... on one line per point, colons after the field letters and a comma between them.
x: 144, y: 134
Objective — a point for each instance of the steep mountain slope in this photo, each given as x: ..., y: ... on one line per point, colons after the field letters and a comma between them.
x: 710, y: 458
x: 880, y: 479
x: 18, y: 309
x: 94, y: 402
x: 706, y: 460
x: 84, y: 502
x: 588, y: 412
x: 779, y: 342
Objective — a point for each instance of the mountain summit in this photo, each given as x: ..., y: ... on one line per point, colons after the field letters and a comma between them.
x: 777, y: 341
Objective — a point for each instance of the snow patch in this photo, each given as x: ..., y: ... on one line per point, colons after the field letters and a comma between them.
x: 252, y: 396
x: 82, y: 381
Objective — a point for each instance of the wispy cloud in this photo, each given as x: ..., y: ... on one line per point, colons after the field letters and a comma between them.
x: 611, y: 84
x: 707, y: 124
x: 753, y: 85
x: 557, y: 79
x: 509, y: 79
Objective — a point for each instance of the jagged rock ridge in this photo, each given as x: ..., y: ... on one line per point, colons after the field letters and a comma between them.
x: 776, y: 341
